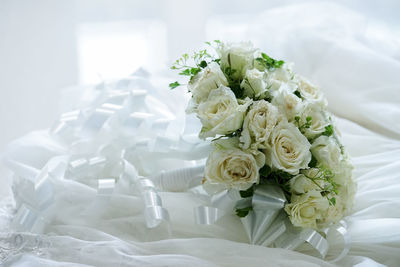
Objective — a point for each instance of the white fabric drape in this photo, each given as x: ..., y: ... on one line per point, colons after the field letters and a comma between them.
x: 331, y: 46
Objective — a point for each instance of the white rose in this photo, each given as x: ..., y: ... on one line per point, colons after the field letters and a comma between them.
x: 347, y: 185
x: 288, y: 149
x: 287, y: 102
x: 281, y: 76
x: 254, y: 84
x: 343, y: 173
x: 210, y: 78
x: 233, y: 168
x: 319, y: 119
x: 221, y: 113
x: 307, y: 209
x: 310, y: 92
x: 238, y: 56
x: 333, y: 214
x: 327, y: 152
x: 258, y: 124
x: 300, y: 184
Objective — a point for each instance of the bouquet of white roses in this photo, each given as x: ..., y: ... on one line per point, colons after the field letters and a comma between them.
x: 270, y: 128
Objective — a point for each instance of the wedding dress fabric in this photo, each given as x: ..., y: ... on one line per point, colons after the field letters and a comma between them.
x: 67, y: 186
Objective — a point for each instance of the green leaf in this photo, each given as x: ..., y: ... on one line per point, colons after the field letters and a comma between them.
x: 279, y: 63
x: 203, y: 64
x: 243, y: 212
x: 248, y: 192
x: 329, y: 187
x: 237, y: 90
x: 266, y: 57
x: 265, y: 171
x: 185, y: 72
x: 328, y: 130
x: 194, y: 71
x: 297, y: 93
x: 260, y: 59
x: 174, y: 85
x: 313, y: 162
x: 268, y: 62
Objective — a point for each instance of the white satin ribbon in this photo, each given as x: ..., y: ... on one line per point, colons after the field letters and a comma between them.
x: 98, y: 118
x: 154, y: 212
x: 37, y: 195
x: 84, y: 165
x: 122, y: 104
x: 178, y: 180
x: 267, y: 224
x: 267, y: 202
x: 105, y: 186
x: 28, y: 220
x: 207, y: 215
x: 339, y: 229
x: 67, y: 121
x: 219, y: 205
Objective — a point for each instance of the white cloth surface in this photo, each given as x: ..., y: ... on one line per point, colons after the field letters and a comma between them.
x: 331, y: 46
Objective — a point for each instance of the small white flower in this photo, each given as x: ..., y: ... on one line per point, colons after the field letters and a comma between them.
x: 258, y: 124
x: 254, y: 84
x: 221, y: 113
x: 307, y: 209
x: 327, y: 152
x: 300, y: 184
x: 281, y: 76
x: 288, y: 149
x: 237, y: 56
x: 347, y: 185
x: 287, y: 102
x: 310, y: 92
x: 333, y: 214
x: 210, y: 78
x: 344, y: 171
x: 230, y: 167
x: 319, y: 119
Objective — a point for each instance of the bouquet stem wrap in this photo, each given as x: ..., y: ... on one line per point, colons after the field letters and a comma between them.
x: 267, y: 224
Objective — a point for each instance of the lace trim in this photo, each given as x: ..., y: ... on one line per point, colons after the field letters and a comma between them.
x: 21, y: 243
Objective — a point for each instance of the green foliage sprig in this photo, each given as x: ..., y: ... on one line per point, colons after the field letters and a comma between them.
x: 191, y: 65
x: 278, y: 177
x: 268, y: 62
x: 328, y: 130
x: 329, y: 188
x: 303, y: 126
x: 234, y: 84
x: 243, y: 212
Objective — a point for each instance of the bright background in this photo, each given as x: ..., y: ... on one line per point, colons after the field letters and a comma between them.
x: 48, y: 45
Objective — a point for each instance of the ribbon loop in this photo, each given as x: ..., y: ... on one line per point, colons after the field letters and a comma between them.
x: 28, y: 220
x: 318, y: 242
x: 154, y: 212
x: 155, y: 215
x: 207, y: 215
x: 105, y: 186
x: 340, y: 230
x: 268, y: 197
x: 179, y: 179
